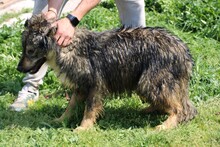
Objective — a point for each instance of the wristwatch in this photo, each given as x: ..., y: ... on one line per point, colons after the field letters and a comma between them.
x: 73, y: 19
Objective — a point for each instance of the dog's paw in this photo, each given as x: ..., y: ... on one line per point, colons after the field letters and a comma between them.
x: 79, y: 129
x: 160, y: 127
x: 57, y: 120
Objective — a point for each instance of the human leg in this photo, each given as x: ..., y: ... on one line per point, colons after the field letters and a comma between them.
x: 30, y: 93
x: 131, y: 12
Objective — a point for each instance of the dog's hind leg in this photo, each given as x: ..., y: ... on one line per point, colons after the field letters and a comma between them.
x: 143, y: 90
x: 166, y: 94
x: 177, y: 105
x: 92, y: 110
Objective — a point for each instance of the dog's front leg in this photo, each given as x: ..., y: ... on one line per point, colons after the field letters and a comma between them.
x: 92, y: 110
x: 75, y: 101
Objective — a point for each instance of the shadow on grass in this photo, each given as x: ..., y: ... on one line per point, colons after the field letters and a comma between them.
x: 113, y: 118
x: 32, y: 118
x: 128, y: 118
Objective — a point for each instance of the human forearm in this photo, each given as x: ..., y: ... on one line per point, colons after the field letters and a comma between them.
x: 54, y: 5
x: 84, y: 7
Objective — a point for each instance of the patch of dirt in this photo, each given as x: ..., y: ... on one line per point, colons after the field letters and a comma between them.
x: 5, y: 3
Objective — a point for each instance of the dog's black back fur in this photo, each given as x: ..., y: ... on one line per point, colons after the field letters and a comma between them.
x: 120, y: 57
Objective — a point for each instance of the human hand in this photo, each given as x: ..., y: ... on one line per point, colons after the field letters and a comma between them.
x: 65, y: 32
x: 50, y: 16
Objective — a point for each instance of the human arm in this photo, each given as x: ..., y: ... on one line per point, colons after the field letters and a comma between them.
x: 53, y: 10
x: 65, y: 30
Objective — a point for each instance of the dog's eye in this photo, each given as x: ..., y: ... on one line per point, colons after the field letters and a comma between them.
x: 43, y: 43
x: 30, y: 52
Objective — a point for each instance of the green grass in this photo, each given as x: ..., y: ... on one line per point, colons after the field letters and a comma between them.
x: 122, y: 124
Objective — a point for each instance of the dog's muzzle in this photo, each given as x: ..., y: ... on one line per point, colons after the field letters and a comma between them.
x: 31, y: 69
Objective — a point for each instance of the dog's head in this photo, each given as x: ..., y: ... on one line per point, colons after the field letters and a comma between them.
x: 35, y: 39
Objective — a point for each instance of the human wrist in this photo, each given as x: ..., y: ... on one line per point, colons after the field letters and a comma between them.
x: 73, y: 20
x: 53, y: 10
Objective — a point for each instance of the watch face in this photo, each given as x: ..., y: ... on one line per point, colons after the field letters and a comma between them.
x: 74, y: 20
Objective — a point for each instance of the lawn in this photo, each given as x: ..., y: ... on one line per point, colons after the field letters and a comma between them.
x: 122, y: 123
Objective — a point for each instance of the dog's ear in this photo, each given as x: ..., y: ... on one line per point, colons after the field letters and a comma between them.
x: 49, y: 29
x: 26, y: 23
x: 35, y: 19
x: 49, y: 20
x: 52, y: 31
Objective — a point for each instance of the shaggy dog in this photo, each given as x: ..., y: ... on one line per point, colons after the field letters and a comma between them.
x: 149, y: 61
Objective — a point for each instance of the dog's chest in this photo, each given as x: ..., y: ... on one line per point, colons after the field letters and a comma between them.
x: 57, y: 69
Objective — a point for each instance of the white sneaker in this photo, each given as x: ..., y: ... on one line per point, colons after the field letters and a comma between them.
x: 26, y: 97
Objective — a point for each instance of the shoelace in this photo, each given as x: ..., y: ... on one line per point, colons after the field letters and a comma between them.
x: 22, y: 95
